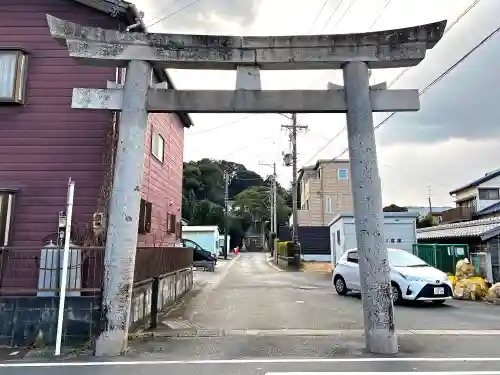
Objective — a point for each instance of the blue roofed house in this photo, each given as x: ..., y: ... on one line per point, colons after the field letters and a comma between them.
x: 478, y: 199
x: 474, y: 221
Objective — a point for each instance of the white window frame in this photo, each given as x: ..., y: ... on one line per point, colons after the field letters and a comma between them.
x: 7, y: 199
x: 346, y: 174
x: 328, y: 204
x: 16, y: 76
x: 158, y: 146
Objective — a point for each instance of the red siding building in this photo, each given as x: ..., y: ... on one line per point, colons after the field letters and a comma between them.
x: 43, y: 141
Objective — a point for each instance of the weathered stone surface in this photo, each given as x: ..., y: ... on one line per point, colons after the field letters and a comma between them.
x: 384, y: 49
x: 247, y: 101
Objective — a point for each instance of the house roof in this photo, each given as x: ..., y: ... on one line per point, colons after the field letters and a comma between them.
x: 350, y: 215
x: 495, y: 207
x: 488, y: 176
x: 130, y: 14
x: 483, y: 228
x: 200, y: 228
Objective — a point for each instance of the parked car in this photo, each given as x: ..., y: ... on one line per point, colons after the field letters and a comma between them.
x: 411, y: 277
x: 199, y: 253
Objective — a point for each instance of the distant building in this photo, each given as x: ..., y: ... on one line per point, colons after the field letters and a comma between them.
x: 478, y: 199
x: 325, y: 192
x: 437, y: 212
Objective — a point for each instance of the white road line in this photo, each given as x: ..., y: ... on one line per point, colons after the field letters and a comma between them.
x: 355, y: 332
x: 253, y: 360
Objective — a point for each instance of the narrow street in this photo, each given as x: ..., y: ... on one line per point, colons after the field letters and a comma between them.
x: 266, y: 320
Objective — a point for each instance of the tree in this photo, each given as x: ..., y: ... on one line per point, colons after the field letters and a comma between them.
x: 395, y: 208
x: 426, y: 221
x: 207, y: 213
x: 203, y: 196
x: 254, y: 204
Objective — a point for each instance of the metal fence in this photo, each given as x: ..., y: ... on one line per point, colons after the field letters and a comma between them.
x: 157, y: 261
x: 36, y: 271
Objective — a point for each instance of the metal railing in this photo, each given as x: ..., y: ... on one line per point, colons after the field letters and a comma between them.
x: 37, y: 271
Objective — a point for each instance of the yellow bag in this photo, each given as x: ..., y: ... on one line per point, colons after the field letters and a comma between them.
x: 464, y: 269
x: 473, y: 288
x: 493, y: 292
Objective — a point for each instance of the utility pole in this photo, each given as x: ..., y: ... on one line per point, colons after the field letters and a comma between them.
x: 430, y: 201
x: 274, y: 216
x: 293, y: 141
x: 226, y: 216
x: 275, y: 199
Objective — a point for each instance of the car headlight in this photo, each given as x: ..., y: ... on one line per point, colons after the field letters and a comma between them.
x: 415, y: 279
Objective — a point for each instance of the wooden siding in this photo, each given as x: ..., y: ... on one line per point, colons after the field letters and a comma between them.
x: 162, y: 184
x: 44, y: 142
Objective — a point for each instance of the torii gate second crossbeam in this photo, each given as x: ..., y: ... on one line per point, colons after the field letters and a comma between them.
x: 355, y: 54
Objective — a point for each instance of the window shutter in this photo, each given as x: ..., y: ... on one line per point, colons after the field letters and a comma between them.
x: 147, y: 221
x: 142, y: 210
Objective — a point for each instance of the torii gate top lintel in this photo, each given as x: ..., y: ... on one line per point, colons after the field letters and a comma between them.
x: 383, y: 49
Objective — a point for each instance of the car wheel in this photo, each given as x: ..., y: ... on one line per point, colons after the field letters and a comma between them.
x: 438, y: 303
x: 396, y: 293
x: 340, y: 286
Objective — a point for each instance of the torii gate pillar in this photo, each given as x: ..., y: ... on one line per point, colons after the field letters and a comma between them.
x: 123, y: 221
x: 366, y: 188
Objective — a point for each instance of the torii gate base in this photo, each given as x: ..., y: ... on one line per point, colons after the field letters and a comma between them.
x: 354, y: 53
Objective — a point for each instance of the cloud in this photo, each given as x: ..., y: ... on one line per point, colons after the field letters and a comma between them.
x: 201, y: 16
x: 464, y: 104
x: 407, y: 170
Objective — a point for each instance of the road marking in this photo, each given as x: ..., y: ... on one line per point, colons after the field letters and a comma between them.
x: 254, y: 360
x: 355, y: 332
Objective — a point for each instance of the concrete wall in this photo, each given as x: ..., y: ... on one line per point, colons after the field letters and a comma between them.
x: 172, y: 287
x: 21, y: 318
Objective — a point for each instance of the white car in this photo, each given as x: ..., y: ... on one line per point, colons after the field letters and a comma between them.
x: 411, y: 277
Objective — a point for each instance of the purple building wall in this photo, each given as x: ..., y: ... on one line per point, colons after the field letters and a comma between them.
x: 44, y: 141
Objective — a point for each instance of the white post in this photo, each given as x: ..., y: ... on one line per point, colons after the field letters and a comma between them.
x: 64, y: 276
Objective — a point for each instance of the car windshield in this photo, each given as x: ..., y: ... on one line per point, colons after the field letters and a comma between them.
x: 401, y: 258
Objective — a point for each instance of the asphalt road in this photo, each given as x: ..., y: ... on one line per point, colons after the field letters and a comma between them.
x: 271, y: 321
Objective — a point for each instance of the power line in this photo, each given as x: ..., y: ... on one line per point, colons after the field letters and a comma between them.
x: 221, y: 126
x: 398, y: 170
x: 162, y: 11
x: 174, y: 13
x: 377, y: 17
x: 438, y: 79
x: 319, y: 14
x: 343, y: 14
x: 457, y: 20
x: 467, y: 10
x: 380, y: 14
x: 331, y: 15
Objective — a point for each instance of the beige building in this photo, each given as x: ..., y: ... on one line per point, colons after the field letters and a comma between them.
x: 325, y: 191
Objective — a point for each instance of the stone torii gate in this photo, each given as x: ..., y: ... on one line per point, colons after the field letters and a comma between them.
x: 355, y: 54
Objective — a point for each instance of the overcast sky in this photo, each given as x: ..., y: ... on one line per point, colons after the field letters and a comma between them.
x: 453, y: 139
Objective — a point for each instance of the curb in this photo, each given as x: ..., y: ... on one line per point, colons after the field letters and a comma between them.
x: 191, y: 333
x: 274, y: 266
